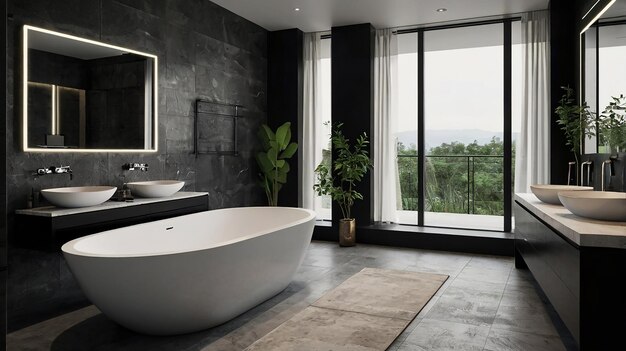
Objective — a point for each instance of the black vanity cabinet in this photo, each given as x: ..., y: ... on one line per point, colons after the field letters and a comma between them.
x: 580, y: 265
x: 48, y: 228
x: 40, y: 233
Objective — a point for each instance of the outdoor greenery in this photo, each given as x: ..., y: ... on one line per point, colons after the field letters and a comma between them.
x: 612, y: 124
x: 348, y: 168
x: 448, y: 178
x: 273, y: 160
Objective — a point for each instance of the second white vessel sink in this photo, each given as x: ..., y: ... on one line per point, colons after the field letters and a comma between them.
x: 155, y: 188
x: 79, y: 196
x: 548, y: 193
x: 602, y: 205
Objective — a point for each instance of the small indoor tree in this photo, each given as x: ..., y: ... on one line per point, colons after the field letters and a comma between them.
x: 575, y: 121
x: 612, y: 124
x: 347, y: 169
x: 278, y: 148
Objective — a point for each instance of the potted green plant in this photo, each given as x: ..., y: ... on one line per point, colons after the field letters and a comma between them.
x: 348, y: 167
x: 575, y: 121
x: 277, y: 149
x: 612, y: 124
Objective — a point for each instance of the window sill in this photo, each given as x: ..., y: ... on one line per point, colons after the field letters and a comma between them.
x: 432, y: 238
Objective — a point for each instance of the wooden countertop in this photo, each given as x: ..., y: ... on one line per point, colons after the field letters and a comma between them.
x: 580, y: 230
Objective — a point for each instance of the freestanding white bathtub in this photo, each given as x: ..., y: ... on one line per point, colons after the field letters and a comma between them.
x: 191, y: 272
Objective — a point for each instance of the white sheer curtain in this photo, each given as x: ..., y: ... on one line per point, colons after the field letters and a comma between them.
x: 385, y: 119
x: 310, y: 151
x: 533, y: 147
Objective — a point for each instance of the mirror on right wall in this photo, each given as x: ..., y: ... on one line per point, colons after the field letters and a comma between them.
x: 603, y: 76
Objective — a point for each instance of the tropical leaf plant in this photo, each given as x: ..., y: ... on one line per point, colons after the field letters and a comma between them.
x: 278, y: 148
x: 349, y: 166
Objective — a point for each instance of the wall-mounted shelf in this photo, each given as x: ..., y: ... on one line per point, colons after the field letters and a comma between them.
x: 50, y: 227
x: 215, y: 128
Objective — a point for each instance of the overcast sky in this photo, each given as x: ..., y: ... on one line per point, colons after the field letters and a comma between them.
x: 463, y: 89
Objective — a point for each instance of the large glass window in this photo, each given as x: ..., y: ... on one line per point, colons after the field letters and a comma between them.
x: 463, y: 115
x: 604, y: 53
x: 516, y: 94
x: 407, y: 128
x: 323, y: 204
x: 591, y: 81
x: 611, y: 69
x: 464, y: 124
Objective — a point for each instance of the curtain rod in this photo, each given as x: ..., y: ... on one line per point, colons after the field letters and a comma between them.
x: 446, y: 25
x: 456, y: 25
x: 610, y: 22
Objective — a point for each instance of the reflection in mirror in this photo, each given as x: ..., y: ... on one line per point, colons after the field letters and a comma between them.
x: 81, y: 95
x: 590, y: 83
x: 604, y: 70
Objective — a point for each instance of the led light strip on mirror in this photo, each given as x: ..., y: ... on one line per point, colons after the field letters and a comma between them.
x: 149, y: 137
x: 581, y: 47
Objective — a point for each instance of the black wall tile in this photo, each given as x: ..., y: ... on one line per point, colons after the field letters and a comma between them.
x: 615, y: 182
x: 3, y: 188
x: 179, y: 45
x: 352, y: 50
x: 77, y: 17
x: 204, y: 51
x: 564, y: 71
x: 285, y: 71
x: 152, y: 7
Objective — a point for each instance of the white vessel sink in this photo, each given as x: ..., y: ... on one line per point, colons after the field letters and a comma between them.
x: 548, y: 193
x: 155, y: 188
x: 602, y: 205
x: 80, y: 196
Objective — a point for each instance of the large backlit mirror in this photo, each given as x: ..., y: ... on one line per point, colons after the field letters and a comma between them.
x: 86, y: 96
x: 603, y: 43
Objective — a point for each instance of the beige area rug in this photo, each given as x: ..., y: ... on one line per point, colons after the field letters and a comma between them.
x: 367, y: 312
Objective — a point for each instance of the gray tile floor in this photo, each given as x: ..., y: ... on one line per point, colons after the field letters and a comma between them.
x: 486, y: 304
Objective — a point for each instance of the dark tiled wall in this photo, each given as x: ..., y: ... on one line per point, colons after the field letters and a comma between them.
x: 616, y: 182
x: 284, y: 104
x: 563, y: 72
x: 3, y: 188
x: 204, y: 52
x: 352, y: 65
x: 115, y: 102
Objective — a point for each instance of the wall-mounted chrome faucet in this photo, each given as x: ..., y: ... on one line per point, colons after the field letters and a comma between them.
x: 571, y: 165
x: 55, y: 170
x: 582, y: 172
x: 608, y: 162
x: 135, y: 167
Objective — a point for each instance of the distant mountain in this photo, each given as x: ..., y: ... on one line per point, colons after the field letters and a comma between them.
x: 438, y: 137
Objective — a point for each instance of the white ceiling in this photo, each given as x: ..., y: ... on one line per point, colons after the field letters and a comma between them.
x: 321, y: 15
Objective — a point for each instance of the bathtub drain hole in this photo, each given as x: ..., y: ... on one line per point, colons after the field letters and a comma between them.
x: 168, y: 228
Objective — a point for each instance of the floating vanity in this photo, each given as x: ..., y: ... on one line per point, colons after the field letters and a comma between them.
x: 49, y: 227
x: 580, y: 264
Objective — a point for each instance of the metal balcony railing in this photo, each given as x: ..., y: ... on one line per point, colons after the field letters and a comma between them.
x: 471, y: 165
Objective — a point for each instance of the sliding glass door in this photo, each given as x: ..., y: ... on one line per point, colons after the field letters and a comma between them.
x: 323, y: 204
x: 466, y: 92
x: 406, y: 136
x: 464, y: 127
